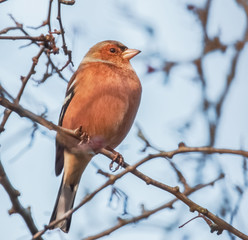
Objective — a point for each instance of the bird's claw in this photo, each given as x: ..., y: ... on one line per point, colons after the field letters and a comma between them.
x: 118, y: 158
x: 85, y: 138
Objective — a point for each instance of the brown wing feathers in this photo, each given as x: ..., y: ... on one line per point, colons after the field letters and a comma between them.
x: 59, y: 158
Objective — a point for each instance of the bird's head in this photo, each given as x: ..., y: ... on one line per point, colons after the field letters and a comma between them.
x: 110, y: 51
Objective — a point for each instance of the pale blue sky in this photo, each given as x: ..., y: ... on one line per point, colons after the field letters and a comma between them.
x: 177, y: 37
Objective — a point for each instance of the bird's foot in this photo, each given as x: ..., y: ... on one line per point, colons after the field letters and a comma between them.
x: 118, y: 158
x: 84, y: 136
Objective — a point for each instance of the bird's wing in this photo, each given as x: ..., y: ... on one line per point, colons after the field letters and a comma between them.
x: 59, y: 159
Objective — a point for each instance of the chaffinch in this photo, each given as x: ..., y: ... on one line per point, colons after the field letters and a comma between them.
x: 103, y: 97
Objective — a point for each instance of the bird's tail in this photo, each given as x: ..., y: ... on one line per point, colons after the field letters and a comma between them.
x: 64, y: 203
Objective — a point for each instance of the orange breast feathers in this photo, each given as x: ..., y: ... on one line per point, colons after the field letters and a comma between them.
x: 105, y: 101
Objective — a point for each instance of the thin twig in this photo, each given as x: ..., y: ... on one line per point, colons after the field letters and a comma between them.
x: 47, y: 22
x: 20, y: 27
x: 5, y: 30
x: 70, y: 2
x: 49, y: 16
x: 24, y: 83
x: 61, y: 27
x: 40, y: 38
x: 62, y: 31
x: 208, y: 150
x: 180, y: 176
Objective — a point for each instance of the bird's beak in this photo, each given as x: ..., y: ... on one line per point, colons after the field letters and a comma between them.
x: 130, y: 53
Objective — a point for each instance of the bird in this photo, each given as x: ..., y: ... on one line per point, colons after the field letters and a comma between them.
x: 103, y: 97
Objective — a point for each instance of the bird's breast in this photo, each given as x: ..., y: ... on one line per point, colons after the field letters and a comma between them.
x: 104, y: 104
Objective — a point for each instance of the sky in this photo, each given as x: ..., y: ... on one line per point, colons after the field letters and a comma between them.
x: 167, y: 102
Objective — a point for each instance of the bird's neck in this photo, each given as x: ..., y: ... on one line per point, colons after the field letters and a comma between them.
x: 94, y: 60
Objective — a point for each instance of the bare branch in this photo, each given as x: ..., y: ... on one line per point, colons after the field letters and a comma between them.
x: 16, y: 205
x: 5, y: 30
x: 208, y: 150
x: 40, y: 38
x: 147, y: 213
x: 71, y: 2
x: 24, y: 82
x: 49, y: 42
x: 64, y: 46
x: 180, y: 176
x: 48, y: 21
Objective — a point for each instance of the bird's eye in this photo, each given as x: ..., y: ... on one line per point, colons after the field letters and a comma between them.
x: 113, y: 50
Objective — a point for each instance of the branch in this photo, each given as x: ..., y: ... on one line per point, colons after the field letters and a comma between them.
x: 16, y: 205
x: 148, y: 213
x: 209, y: 150
x: 70, y: 2
x: 47, y: 22
x: 180, y: 176
x: 24, y: 82
x: 49, y: 37
x: 40, y: 38
x: 64, y: 46
x: 5, y: 30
